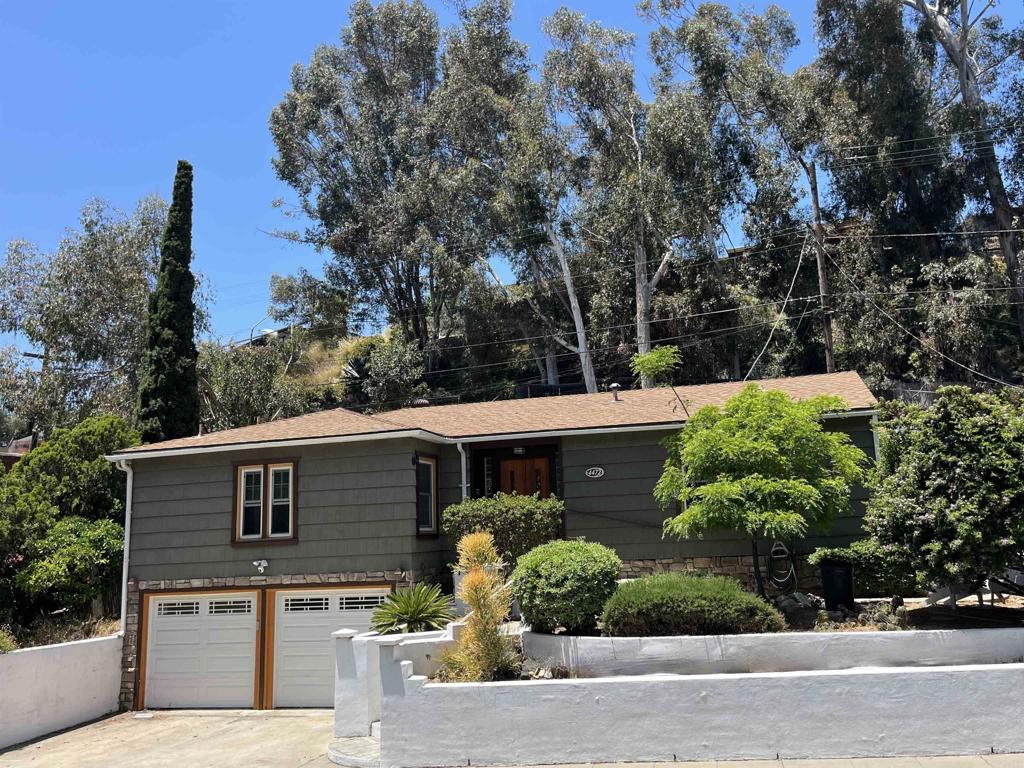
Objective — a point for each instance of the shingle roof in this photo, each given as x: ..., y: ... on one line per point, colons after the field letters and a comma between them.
x: 543, y: 414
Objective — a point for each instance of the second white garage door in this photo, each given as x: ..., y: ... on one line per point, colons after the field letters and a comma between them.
x: 303, y: 648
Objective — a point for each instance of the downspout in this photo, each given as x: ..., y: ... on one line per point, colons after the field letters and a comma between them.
x: 126, y: 466
x: 874, y: 435
x: 465, y: 482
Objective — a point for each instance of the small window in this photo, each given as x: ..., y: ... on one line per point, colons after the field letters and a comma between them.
x: 251, y: 518
x: 306, y: 604
x: 426, y: 494
x: 266, y: 502
x: 360, y: 602
x: 281, y: 501
x: 178, y: 608
x: 222, y: 607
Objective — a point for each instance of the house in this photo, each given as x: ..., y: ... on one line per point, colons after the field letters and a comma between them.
x: 247, y: 547
x: 11, y: 453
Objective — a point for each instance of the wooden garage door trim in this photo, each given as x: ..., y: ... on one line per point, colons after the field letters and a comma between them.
x: 146, y: 598
x: 263, y: 687
x: 271, y: 614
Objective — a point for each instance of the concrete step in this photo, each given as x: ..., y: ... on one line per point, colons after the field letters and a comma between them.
x: 355, y: 752
x: 375, y: 729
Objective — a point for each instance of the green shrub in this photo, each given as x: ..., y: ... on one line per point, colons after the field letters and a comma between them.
x: 681, y: 604
x: 517, y: 523
x: 948, y: 488
x: 874, y: 574
x: 565, y: 584
x: 420, y: 609
x: 7, y: 641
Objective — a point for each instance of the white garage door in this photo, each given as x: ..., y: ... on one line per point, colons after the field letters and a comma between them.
x: 303, y: 648
x: 201, y: 650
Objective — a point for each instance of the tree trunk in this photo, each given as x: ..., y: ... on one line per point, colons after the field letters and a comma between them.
x: 758, y: 580
x: 730, y: 342
x: 956, y: 48
x: 582, y: 345
x: 819, y: 249
x: 1002, y: 211
x: 643, y: 301
x: 550, y: 364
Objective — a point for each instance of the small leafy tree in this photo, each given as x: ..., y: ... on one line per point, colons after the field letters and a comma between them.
x: 395, y: 369
x: 656, y: 365
x: 949, y: 487
x: 64, y: 478
x: 251, y: 384
x: 762, y: 465
x: 76, y: 562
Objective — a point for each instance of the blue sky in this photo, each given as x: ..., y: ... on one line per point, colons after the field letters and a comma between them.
x: 101, y: 99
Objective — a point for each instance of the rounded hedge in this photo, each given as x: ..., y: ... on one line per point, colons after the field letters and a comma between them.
x: 517, y: 523
x: 681, y: 604
x: 565, y: 584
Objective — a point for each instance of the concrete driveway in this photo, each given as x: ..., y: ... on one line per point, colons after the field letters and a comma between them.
x: 197, y: 739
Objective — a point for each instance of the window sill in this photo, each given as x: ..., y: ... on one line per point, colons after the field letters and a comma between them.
x: 236, y: 542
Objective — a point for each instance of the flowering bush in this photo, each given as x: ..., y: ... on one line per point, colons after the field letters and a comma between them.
x: 949, y: 488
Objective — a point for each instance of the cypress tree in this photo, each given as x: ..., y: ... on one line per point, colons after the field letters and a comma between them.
x: 169, y: 389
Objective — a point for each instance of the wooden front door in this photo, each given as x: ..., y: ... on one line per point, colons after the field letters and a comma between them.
x: 526, y: 476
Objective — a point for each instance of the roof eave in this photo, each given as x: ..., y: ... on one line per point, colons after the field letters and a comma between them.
x: 432, y: 437
x: 420, y: 434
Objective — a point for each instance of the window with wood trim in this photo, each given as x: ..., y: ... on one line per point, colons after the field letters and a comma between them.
x: 426, y: 495
x: 265, y: 502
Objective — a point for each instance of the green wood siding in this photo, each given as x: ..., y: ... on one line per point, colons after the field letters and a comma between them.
x: 619, y: 509
x: 356, y: 512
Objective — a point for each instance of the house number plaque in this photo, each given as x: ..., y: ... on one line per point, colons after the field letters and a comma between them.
x: 594, y: 472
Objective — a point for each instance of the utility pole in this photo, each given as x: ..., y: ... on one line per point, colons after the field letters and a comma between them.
x: 819, y: 249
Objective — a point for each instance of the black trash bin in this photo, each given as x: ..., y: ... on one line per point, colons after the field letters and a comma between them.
x: 837, y: 584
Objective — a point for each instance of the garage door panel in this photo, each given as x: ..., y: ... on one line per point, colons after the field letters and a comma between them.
x: 311, y: 632
x: 201, y: 651
x: 304, y: 651
x: 229, y: 635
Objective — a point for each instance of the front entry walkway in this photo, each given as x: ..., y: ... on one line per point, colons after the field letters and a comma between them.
x: 298, y: 738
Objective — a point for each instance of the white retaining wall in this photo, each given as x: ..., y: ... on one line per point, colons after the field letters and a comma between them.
x: 357, y: 686
x: 52, y: 687
x: 783, y: 652
x: 852, y: 713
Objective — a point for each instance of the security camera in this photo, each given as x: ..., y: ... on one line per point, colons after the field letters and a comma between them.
x: 260, y: 565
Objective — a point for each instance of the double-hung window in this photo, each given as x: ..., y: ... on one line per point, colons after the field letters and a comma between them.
x: 281, y: 496
x: 426, y: 495
x: 265, y: 502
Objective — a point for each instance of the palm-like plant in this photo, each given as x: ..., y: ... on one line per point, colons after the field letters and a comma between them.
x: 421, y: 608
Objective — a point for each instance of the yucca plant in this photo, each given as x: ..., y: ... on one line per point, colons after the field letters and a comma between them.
x: 421, y: 608
x: 483, y: 652
x: 477, y: 550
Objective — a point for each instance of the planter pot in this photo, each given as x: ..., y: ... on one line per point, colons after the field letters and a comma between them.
x: 461, y: 609
x: 837, y: 584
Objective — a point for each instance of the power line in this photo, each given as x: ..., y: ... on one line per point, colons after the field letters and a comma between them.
x: 782, y: 310
x: 1009, y: 124
x: 916, y: 338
